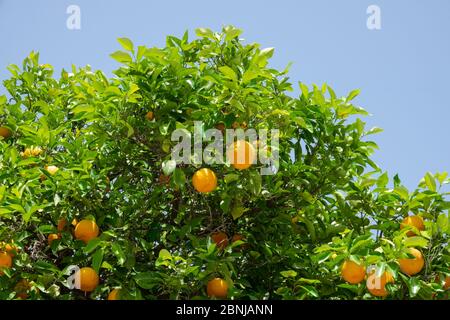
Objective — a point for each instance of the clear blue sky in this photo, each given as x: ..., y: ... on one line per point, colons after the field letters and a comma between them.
x: 403, y: 70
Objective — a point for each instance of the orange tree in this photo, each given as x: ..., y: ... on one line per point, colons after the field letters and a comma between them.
x: 86, y: 181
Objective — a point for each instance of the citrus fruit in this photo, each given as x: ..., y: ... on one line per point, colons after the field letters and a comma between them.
x: 86, y: 230
x: 220, y: 239
x: 353, y: 272
x: 241, y: 154
x: 88, y: 279
x: 377, y: 285
x: 5, y: 132
x: 217, y: 288
x: 204, y: 180
x: 150, y: 116
x: 114, y: 294
x: 5, y: 261
x: 412, y: 221
x: 412, y: 266
x: 52, y: 237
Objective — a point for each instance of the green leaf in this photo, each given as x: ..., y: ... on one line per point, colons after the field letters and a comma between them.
x: 97, y: 259
x: 238, y: 211
x: 352, y: 95
x: 231, y: 177
x: 119, y: 253
x: 164, y: 254
x: 255, y: 183
x: 228, y: 73
x: 205, y: 33
x: 416, y: 242
x: 430, y: 182
x: 289, y: 273
x: 83, y: 108
x: 383, y: 180
x: 121, y: 57
x: 92, y: 245
x: 147, y: 280
x: 374, y: 130
x: 126, y: 43
x: 179, y: 177
x: 402, y: 192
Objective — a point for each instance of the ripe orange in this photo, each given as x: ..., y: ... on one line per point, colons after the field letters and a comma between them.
x: 150, y: 116
x: 204, y: 180
x: 217, y: 288
x: 220, y: 239
x: 86, y: 230
x: 52, y: 237
x: 62, y: 223
x: 88, y: 279
x: 5, y: 132
x: 413, y: 221
x: 114, y: 295
x: 447, y: 283
x: 5, y: 261
x: 352, y: 272
x: 377, y: 285
x: 241, y: 154
x: 414, y: 265
x: 11, y: 249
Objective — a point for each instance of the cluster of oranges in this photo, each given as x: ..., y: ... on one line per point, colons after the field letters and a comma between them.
x: 204, y: 180
x: 355, y: 273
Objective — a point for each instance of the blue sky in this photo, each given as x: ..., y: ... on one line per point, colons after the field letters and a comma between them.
x: 402, y: 70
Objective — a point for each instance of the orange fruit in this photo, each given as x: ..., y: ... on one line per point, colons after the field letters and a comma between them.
x: 52, y: 237
x: 51, y: 169
x: 114, y: 295
x: 220, y: 239
x: 447, y: 283
x: 150, y: 116
x: 377, y: 285
x: 5, y: 132
x: 352, y: 272
x: 412, y: 266
x: 5, y: 261
x: 86, y: 230
x: 217, y: 288
x: 204, y: 180
x: 11, y: 249
x: 413, y: 221
x: 88, y: 279
x: 62, y: 223
x: 241, y: 154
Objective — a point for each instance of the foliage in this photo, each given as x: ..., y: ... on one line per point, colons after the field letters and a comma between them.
x: 328, y: 202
